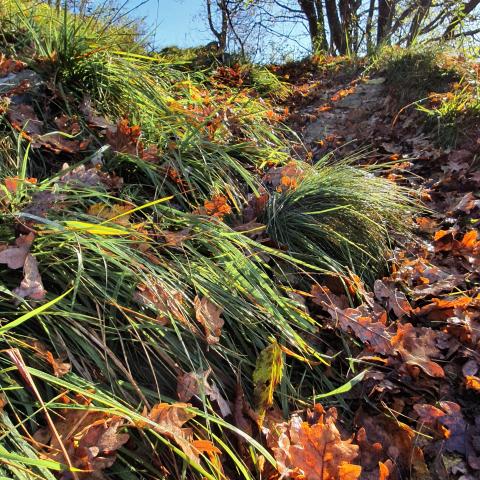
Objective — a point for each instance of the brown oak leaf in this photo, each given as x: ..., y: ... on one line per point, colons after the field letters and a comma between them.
x: 416, y: 346
x: 314, y: 451
x: 209, y: 316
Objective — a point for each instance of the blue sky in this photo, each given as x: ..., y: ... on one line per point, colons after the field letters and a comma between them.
x: 174, y: 22
x: 183, y: 23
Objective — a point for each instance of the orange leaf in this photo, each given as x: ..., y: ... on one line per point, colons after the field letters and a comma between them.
x: 217, y: 206
x: 206, y: 446
x: 469, y: 240
x: 168, y: 420
x: 383, y: 471
x: 348, y: 471
x: 314, y: 452
x: 416, y: 346
x: 11, y: 183
x: 472, y: 383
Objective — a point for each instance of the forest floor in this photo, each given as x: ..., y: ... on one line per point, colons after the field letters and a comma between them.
x: 431, y: 389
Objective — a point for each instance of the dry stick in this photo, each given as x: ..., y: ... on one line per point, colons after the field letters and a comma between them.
x: 404, y: 108
x: 17, y: 359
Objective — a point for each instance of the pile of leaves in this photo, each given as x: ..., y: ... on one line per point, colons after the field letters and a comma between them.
x: 417, y: 329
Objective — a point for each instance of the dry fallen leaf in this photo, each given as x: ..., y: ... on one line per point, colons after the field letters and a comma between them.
x: 90, y: 438
x: 10, y: 65
x: 176, y: 239
x: 396, y: 300
x: 124, y: 138
x: 209, y: 316
x: 314, y: 451
x: 416, y: 346
x: 15, y: 257
x: 165, y: 300
x: 195, y: 383
x: 168, y: 420
x: 447, y: 422
x: 31, y: 286
x: 59, y: 367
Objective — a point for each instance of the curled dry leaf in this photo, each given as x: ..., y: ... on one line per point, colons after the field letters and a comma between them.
x: 195, y: 383
x: 10, y: 65
x: 370, y: 453
x: 447, y: 284
x: 467, y: 203
x: 80, y: 175
x: 426, y: 224
x: 285, y: 178
x: 59, y: 367
x: 472, y: 383
x: 125, y: 138
x: 90, y: 438
x: 168, y: 420
x: 314, y: 451
x: 93, y: 119
x: 14, y: 257
x: 397, y: 440
x: 395, y: 300
x: 31, y: 286
x: 166, y: 301
x: 24, y: 119
x: 12, y: 183
x: 216, y: 207
x: 67, y: 124
x: 446, y: 422
x: 416, y: 346
x: 176, y: 239
x: 369, y: 327
x: 209, y: 316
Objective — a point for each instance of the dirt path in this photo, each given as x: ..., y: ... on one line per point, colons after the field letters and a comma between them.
x: 431, y: 381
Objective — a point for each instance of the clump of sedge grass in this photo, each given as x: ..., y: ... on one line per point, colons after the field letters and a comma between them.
x: 338, y: 218
x: 456, y: 113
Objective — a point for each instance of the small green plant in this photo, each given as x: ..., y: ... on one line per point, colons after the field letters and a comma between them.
x: 453, y: 114
x: 267, y: 83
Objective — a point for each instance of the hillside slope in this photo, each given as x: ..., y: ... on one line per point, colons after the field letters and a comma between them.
x: 182, y: 280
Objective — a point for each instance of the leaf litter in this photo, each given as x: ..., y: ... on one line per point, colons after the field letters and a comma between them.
x: 418, y: 329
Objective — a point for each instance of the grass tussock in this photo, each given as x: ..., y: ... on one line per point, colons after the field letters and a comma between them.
x: 414, y: 72
x: 442, y: 86
x: 338, y: 216
x: 167, y: 249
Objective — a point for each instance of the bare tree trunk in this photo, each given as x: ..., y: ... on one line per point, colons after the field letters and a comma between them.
x: 349, y: 22
x: 222, y: 34
x: 335, y: 27
x: 368, y: 28
x: 313, y: 11
x: 322, y: 43
x: 385, y: 16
